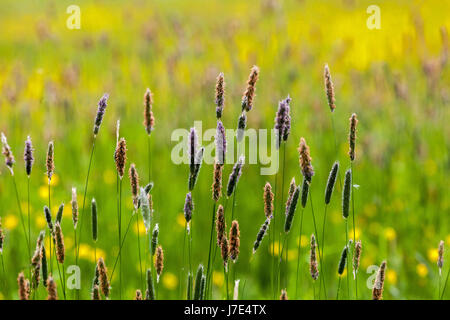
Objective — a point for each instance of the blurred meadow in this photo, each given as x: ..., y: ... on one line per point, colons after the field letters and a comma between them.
x: 396, y: 79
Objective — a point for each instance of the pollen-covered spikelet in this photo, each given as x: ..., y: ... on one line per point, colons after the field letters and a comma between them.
x: 352, y: 136
x: 249, y: 94
x: 134, y: 181
x: 149, y: 120
x: 74, y: 203
x: 59, y: 238
x: 120, y: 157
x: 51, y: 289
x: 28, y: 156
x: 100, y: 113
x: 188, y: 208
x: 96, y: 293
x: 268, y: 201
x: 221, y: 142
x: 50, y: 161
x: 159, y: 262
x: 292, y: 187
x: 224, y: 251
x: 313, y: 259
x: 283, y: 295
x: 234, y: 176
x: 356, y: 257
x: 103, y: 277
x: 377, y: 291
x: 234, y: 240
x: 305, y: 160
x: 261, y: 233
x: 220, y: 95
x: 6, y: 150
x: 220, y: 225
x: 283, y: 121
x: 217, y: 181
x: 440, y: 261
x: 23, y: 292
x: 329, y: 88
x: 154, y: 242
x: 48, y: 218
x: 291, y: 210
x: 242, y: 124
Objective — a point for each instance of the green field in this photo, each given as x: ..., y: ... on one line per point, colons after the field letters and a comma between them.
x: 396, y: 79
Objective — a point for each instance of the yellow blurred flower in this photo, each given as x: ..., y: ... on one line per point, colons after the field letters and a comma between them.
x: 170, y: 281
x: 422, y: 270
x: 109, y: 176
x: 43, y: 192
x: 275, y: 248
x: 40, y: 221
x: 217, y: 278
x: 181, y: 221
x: 53, y: 182
x: 390, y: 234
x: 304, y: 241
x: 141, y: 228
x: 357, y: 233
x: 433, y: 254
x: 88, y: 253
x: 10, y: 222
x: 391, y: 276
x: 447, y: 240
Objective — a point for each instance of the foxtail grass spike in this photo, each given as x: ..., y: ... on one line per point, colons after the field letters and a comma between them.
x: 217, y: 181
x: 283, y: 121
x: 100, y: 113
x: 261, y: 233
x: 154, y: 243
x: 242, y: 124
x: 148, y: 187
x: 120, y: 157
x: 291, y: 210
x: 220, y: 95
x: 59, y: 214
x: 59, y: 239
x: 198, y: 283
x: 28, y: 156
x: 149, y: 120
x: 159, y: 262
x: 346, y: 193
x: 134, y: 181
x: 283, y: 295
x: 305, y: 160
x: 94, y: 220
x: 96, y: 293
x: 331, y: 182
x: 188, y: 208
x: 292, y: 188
x: 329, y: 88
x: 50, y: 161
x: 356, y: 257
x: 44, y: 265
x: 220, y: 225
x: 377, y: 291
x: 6, y: 150
x: 440, y: 261
x: 74, y: 204
x: 103, y: 277
x: 146, y: 209
x: 192, y: 151
x: 268, y: 201
x: 48, y: 218
x: 221, y: 143
x: 52, y: 293
x: 234, y: 176
x: 235, y: 241
x: 249, y: 94
x: 23, y: 295
x: 352, y: 136
x: 224, y: 251
x: 342, y: 261
x: 138, y: 295
x: 313, y: 259
x: 197, y: 165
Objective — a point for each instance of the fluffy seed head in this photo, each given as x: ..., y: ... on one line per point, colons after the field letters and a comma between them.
x: 377, y: 291
x: 283, y: 121
x: 188, y: 207
x: 331, y: 182
x: 305, y: 160
x: 48, y: 218
x: 28, y: 156
x: 134, y: 180
x: 268, y: 201
x: 23, y: 294
x: 217, y: 182
x: 234, y: 176
x: 145, y: 204
x: 192, y: 149
x: 261, y: 233
x: 249, y: 94
x: 242, y: 124
x: 52, y: 294
x: 356, y: 257
x: 59, y: 238
x: 154, y: 243
x: 352, y: 136
x: 50, y: 162
x: 159, y: 262
x: 6, y: 150
x: 221, y: 143
x: 121, y: 157
x: 283, y: 295
x: 234, y: 240
x: 44, y: 265
x: 59, y: 214
x: 94, y: 220
x: 224, y: 250
x: 346, y: 193
x: 149, y: 120
x: 440, y: 261
x: 220, y: 225
x: 292, y: 187
x: 96, y: 293
x: 103, y: 277
x: 220, y: 95
x: 313, y: 259
x: 291, y: 210
x: 100, y: 112
x: 329, y: 88
x: 197, y: 165
x: 74, y: 204
x: 342, y: 261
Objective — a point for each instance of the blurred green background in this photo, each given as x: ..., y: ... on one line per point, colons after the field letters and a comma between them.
x: 396, y: 79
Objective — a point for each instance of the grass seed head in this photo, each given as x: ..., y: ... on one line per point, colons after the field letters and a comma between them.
x: 249, y: 94
x: 221, y: 143
x: 305, y: 160
x: 329, y: 88
x: 138, y: 295
x: 291, y: 210
x: 121, y: 157
x: 50, y: 161
x: 100, y: 112
x: 52, y: 293
x: 346, y: 193
x: 159, y: 262
x: 44, y: 265
x: 261, y: 233
x: 220, y: 225
x: 352, y: 136
x: 188, y: 207
x: 234, y: 176
x: 94, y: 220
x: 154, y: 243
x: 6, y: 150
x: 59, y: 214
x: 224, y: 251
x: 356, y: 257
x: 292, y: 188
x: 59, y: 238
x: 313, y: 259
x: 377, y: 291
x: 331, y: 182
x: 283, y: 295
x: 220, y: 95
x: 235, y: 241
x: 28, y: 156
x: 242, y: 124
x: 48, y: 218
x: 197, y: 165
x: 103, y: 277
x: 217, y: 181
x: 149, y: 120
x: 283, y: 121
x: 268, y: 201
x: 198, y: 282
x: 440, y: 261
x: 342, y: 261
x: 21, y: 282
x: 96, y: 293
x: 134, y: 181
x: 74, y: 203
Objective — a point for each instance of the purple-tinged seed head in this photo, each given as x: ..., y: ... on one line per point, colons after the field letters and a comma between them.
x: 221, y: 143
x: 100, y: 112
x: 28, y: 156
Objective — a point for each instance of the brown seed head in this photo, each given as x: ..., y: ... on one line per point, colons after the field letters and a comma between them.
x: 305, y: 160
x: 249, y: 94
x: 134, y: 180
x: 121, y: 157
x: 217, y: 182
x: 220, y: 225
x: 103, y: 277
x: 149, y: 120
x: 159, y: 261
x: 356, y: 257
x: 138, y: 295
x: 313, y: 259
x: 377, y: 291
x: 283, y: 295
x: 96, y: 293
x: 268, y: 201
x: 23, y: 294
x: 440, y: 261
x: 224, y: 250
x: 74, y: 208
x: 234, y: 240
x: 50, y: 161
x: 59, y: 238
x: 352, y: 136
x: 220, y: 95
x: 292, y: 187
x: 51, y: 289
x: 329, y: 88
x: 6, y: 150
